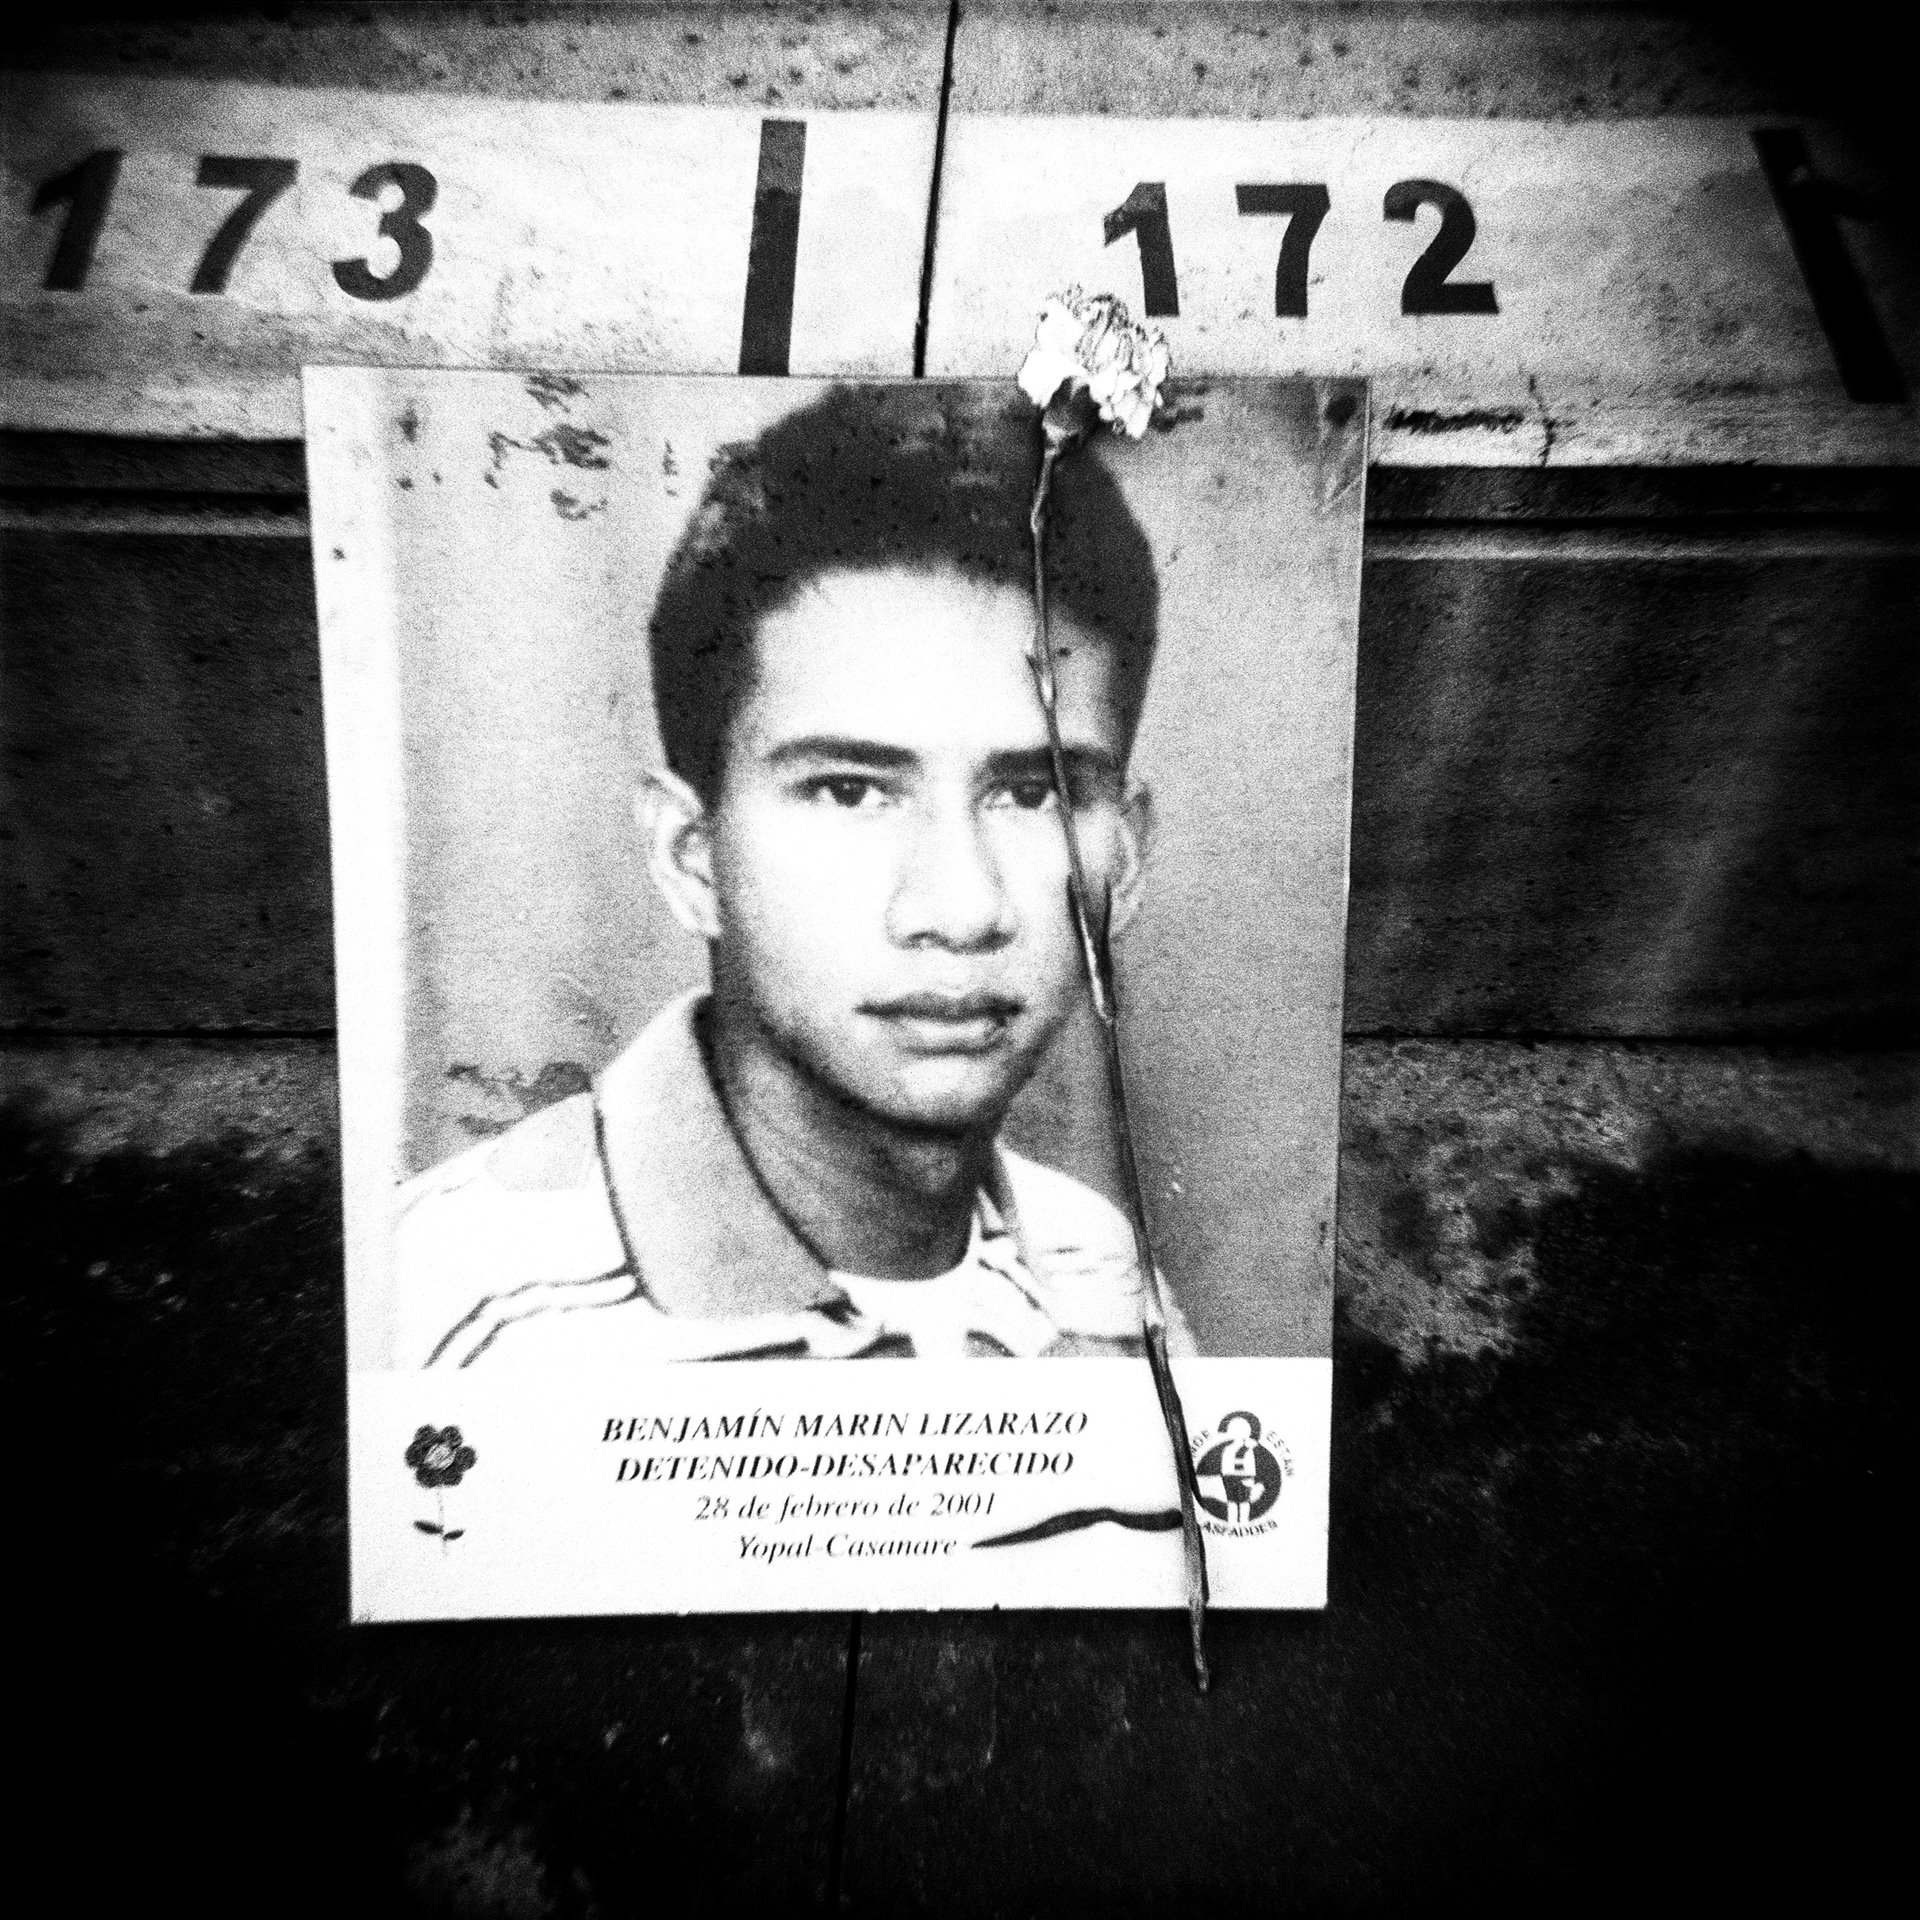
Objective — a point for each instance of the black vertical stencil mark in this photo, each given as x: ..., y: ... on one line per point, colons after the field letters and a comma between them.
x: 1867, y: 367
x: 766, y: 326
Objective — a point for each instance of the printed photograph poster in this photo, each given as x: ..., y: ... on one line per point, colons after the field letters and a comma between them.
x: 735, y: 1214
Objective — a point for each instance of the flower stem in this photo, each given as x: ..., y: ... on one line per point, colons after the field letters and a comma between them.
x: 1097, y: 952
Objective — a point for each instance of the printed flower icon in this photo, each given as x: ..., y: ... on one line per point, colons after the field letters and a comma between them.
x: 439, y: 1457
x: 1087, y: 343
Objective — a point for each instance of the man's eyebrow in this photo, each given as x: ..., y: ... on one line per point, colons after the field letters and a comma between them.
x: 1082, y: 757
x: 810, y: 748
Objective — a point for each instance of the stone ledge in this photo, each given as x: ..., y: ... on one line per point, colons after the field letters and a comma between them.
x: 1198, y: 59
x: 855, y: 54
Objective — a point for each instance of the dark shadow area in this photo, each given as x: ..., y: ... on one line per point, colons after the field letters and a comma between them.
x: 180, y: 1367
x: 1669, y: 796
x: 1671, y: 1516
x: 208, y: 1726
x: 1612, y: 1622
x: 166, y: 867
x: 1612, y: 1609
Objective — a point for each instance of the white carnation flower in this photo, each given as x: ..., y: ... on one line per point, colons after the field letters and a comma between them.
x: 1088, y: 342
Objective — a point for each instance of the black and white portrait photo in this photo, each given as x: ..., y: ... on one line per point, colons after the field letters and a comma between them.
x: 711, y: 985
x: 854, y: 813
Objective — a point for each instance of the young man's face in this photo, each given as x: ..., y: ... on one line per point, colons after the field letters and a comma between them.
x: 889, y: 871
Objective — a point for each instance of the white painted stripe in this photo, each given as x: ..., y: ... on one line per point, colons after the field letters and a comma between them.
x: 578, y: 235
x: 1649, y: 308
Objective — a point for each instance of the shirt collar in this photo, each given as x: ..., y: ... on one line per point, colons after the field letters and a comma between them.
x: 699, y: 1226
x: 705, y: 1239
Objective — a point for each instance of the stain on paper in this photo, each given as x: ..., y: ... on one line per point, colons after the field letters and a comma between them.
x: 510, y: 1096
x: 553, y: 390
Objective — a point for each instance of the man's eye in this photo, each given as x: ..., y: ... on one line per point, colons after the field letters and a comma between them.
x: 852, y: 791
x: 1028, y: 795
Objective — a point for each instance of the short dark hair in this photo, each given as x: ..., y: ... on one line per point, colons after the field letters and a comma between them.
x: 863, y: 478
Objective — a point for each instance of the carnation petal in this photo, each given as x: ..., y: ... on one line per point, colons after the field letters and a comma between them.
x: 1090, y: 341
x: 1134, y: 412
x: 1043, y: 373
x: 1059, y: 329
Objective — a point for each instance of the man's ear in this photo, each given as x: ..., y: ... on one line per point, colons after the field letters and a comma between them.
x: 1135, y: 843
x: 679, y: 850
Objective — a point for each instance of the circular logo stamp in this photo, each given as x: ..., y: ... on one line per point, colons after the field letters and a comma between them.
x: 1240, y: 1471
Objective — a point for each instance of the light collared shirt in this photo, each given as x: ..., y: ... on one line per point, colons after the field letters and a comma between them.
x: 624, y: 1224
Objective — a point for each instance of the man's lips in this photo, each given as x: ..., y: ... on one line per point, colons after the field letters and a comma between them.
x: 946, y: 1022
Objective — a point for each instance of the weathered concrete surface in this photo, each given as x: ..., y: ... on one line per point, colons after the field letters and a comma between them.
x: 166, y: 783
x: 1286, y: 58
x: 858, y: 53
x: 1635, y: 789
x: 1614, y: 1576
x: 173, y: 1282
x: 1639, y: 298
x: 1460, y: 1166
x: 1218, y: 59
x: 1614, y: 1584
x: 1605, y: 782
x: 558, y: 234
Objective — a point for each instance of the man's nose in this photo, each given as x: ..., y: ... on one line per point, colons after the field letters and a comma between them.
x: 949, y: 891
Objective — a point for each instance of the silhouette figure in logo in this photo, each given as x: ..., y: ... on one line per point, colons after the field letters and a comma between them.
x: 1240, y: 1466
x: 1238, y: 1475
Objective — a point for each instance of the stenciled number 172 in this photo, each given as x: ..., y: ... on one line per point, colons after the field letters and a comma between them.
x: 1428, y: 287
